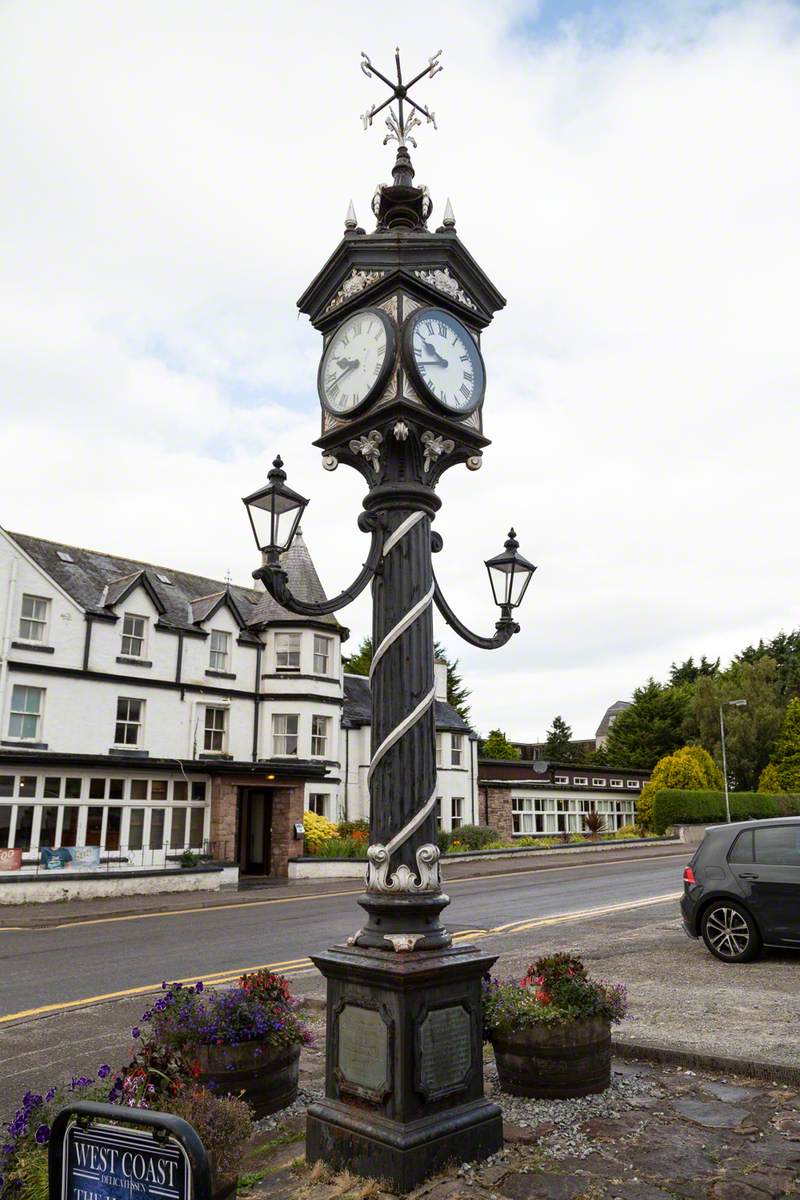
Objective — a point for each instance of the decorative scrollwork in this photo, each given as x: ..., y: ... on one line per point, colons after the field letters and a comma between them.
x: 475, y: 462
x: 356, y: 282
x: 435, y: 446
x: 401, y: 431
x: 368, y: 447
x: 441, y: 279
x: 404, y: 879
x: 330, y: 462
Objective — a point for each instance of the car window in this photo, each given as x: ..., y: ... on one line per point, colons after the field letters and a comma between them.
x: 742, y: 848
x: 779, y: 846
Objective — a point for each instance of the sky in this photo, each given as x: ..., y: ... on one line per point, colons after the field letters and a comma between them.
x: 174, y: 175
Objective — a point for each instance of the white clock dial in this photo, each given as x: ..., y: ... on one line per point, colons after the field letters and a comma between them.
x: 446, y: 360
x: 356, y: 361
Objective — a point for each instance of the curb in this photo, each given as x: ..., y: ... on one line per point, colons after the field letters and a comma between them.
x: 726, y: 1065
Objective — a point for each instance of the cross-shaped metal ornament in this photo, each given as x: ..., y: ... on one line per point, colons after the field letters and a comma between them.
x: 399, y: 124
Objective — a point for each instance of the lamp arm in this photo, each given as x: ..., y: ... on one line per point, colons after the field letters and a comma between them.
x: 275, y: 580
x: 506, y: 627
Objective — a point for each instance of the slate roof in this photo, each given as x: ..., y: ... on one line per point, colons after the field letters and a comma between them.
x: 358, y: 709
x: 612, y: 711
x: 93, y: 579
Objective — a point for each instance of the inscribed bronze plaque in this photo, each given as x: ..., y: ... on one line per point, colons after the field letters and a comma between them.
x: 363, y: 1049
x: 445, y: 1050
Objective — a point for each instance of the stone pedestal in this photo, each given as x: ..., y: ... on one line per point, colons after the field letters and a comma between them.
x: 404, y: 1069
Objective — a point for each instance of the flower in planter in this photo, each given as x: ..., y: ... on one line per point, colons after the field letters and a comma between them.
x: 555, y: 990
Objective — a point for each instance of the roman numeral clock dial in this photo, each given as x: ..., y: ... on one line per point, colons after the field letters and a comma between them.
x: 357, y: 362
x: 444, y: 361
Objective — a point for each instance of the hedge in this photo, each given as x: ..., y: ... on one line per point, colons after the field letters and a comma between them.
x: 685, y: 807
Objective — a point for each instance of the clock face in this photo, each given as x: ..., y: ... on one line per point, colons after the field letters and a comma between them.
x: 357, y: 362
x: 444, y: 360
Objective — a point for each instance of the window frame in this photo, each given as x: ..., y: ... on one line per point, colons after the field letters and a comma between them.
x: 456, y: 818
x: 616, y: 783
x: 211, y: 732
x: 134, y: 637
x: 320, y: 799
x: 44, y: 621
x: 285, y: 735
x: 456, y: 749
x: 215, y: 653
x: 289, y: 635
x: 327, y: 654
x: 561, y: 780
x: 633, y: 784
x: 598, y: 782
x: 127, y: 722
x: 23, y: 713
x: 317, y: 738
x: 580, y: 781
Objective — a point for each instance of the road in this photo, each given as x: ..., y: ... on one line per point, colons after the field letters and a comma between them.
x: 46, y: 970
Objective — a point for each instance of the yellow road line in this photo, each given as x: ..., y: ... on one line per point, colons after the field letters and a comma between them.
x: 447, y: 883
x: 302, y: 965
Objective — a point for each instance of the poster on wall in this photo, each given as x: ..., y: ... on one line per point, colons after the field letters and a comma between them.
x: 10, y: 860
x: 70, y: 858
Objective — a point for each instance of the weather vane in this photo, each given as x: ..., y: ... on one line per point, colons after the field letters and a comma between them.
x: 398, y: 124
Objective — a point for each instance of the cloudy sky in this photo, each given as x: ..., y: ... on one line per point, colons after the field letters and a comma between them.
x: 176, y: 171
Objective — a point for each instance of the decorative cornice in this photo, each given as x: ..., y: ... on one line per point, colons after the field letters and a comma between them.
x: 357, y: 281
x: 441, y: 279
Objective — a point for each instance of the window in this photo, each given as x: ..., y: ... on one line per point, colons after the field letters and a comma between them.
x: 158, y: 789
x: 562, y: 779
x: 633, y: 783
x: 156, y: 828
x: 116, y: 789
x: 597, y: 782
x: 94, y: 827
x: 438, y: 812
x: 617, y: 783
x: 319, y: 736
x: 177, y: 835
x: 456, y: 812
x: 580, y: 781
x: 199, y: 791
x: 196, y: 823
x: 47, y: 829
x: 27, y: 786
x: 287, y: 651
x: 97, y: 789
x: 322, y: 655
x: 26, y: 712
x: 136, y: 829
x: 778, y: 846
x: 164, y: 579
x: 65, y: 556
x: 33, y: 618
x: 133, y: 630
x: 214, y: 735
x: 6, y: 785
x: 113, y: 827
x: 316, y: 803
x: 127, y: 730
x: 72, y: 789
x: 527, y: 814
x: 69, y: 825
x: 456, y: 749
x: 220, y: 644
x: 139, y: 789
x: 284, y: 733
x: 5, y: 825
x: 52, y: 787
x: 22, y: 837
x: 180, y: 791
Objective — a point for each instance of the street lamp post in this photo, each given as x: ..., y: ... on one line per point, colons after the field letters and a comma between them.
x: 737, y: 704
x: 402, y: 383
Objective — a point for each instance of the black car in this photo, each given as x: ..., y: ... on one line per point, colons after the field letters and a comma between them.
x: 741, y: 891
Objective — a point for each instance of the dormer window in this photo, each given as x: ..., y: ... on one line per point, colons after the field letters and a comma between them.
x: 33, y: 618
x: 287, y: 652
x: 133, y: 635
x: 220, y: 650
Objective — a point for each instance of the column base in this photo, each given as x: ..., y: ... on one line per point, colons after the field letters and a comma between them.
x: 401, y: 1155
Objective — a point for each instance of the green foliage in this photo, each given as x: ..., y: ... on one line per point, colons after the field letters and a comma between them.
x: 750, y: 732
x: 555, y: 991
x: 687, y: 672
x: 224, y: 1124
x: 473, y: 837
x: 443, y: 839
x: 558, y: 746
x: 627, y: 831
x: 690, y: 767
x: 768, y: 781
x: 497, y: 745
x: 687, y: 807
x: 457, y: 691
x: 189, y: 859
x: 594, y: 823
x: 784, y: 650
x: 649, y: 729
x: 341, y: 847
x: 786, y: 758
x: 348, y: 828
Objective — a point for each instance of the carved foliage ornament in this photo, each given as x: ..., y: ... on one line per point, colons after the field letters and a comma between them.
x: 356, y: 282
x: 441, y: 279
x: 368, y: 447
x: 403, y: 880
x: 435, y: 446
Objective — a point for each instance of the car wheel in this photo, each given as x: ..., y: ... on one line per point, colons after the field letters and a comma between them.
x: 730, y: 932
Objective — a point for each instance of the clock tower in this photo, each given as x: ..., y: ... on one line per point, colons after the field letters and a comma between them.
x: 402, y: 385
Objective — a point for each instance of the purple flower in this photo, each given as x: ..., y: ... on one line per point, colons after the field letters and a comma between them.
x: 81, y: 1082
x: 136, y: 1032
x: 104, y: 1071
x: 199, y: 986
x: 43, y: 1134
x: 49, y: 1095
x: 163, y: 985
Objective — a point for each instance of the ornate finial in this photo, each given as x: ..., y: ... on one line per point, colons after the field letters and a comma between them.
x: 400, y: 123
x: 277, y: 474
x: 350, y: 221
x: 449, y: 218
x: 228, y: 578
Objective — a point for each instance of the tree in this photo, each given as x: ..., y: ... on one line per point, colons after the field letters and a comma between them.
x: 750, y: 732
x: 786, y: 757
x: 457, y: 692
x: 690, y: 767
x: 497, y: 745
x: 558, y: 745
x: 687, y: 672
x: 784, y: 649
x: 769, y: 783
x: 649, y: 729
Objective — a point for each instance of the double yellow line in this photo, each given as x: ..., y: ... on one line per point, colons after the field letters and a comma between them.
x: 298, y: 966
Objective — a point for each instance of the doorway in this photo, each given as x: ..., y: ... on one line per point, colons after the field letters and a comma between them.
x: 255, y: 831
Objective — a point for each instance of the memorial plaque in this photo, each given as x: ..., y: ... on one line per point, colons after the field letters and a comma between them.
x: 363, y: 1059
x: 105, y: 1162
x: 445, y: 1050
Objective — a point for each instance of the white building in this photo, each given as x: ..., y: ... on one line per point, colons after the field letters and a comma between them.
x: 145, y: 710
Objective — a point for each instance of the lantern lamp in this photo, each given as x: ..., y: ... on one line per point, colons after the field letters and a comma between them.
x: 275, y: 512
x: 509, y: 575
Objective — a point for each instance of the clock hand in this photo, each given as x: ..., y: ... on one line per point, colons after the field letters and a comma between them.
x: 432, y: 350
x: 351, y: 364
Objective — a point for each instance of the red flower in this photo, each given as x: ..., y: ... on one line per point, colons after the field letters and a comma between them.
x: 544, y: 997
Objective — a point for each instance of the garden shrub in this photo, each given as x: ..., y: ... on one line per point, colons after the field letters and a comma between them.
x: 341, y: 847
x: 474, y: 837
x: 626, y: 831
x: 354, y: 829
x: 674, y: 807
x: 443, y: 839
x: 318, y: 829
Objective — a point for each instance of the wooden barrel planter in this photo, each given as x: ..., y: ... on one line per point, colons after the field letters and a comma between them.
x: 556, y: 1061
x: 265, y: 1076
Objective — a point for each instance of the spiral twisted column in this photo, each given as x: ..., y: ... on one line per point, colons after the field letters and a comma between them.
x: 403, y: 894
